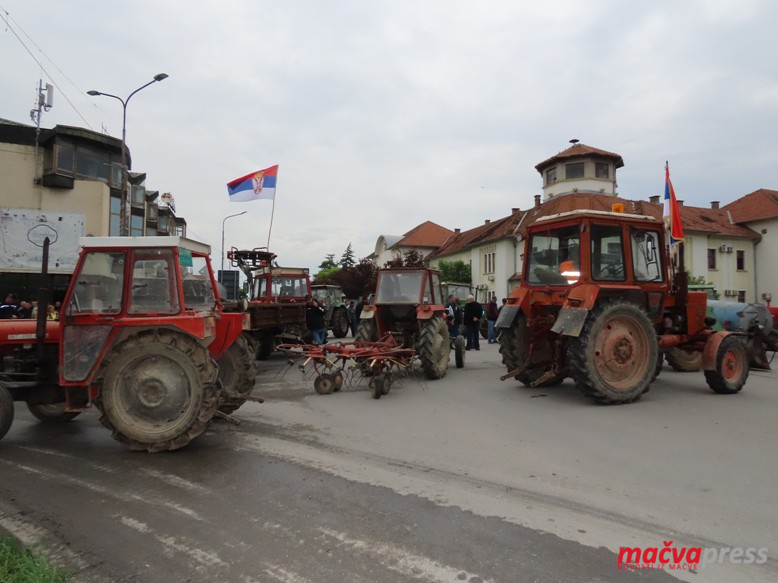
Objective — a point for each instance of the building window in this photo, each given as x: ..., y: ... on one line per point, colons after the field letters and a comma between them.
x: 138, y: 195
x: 114, y: 226
x: 488, y: 262
x: 550, y: 176
x: 741, y: 260
x: 601, y: 170
x: 711, y: 259
x: 136, y: 226
x: 575, y: 170
x: 741, y: 296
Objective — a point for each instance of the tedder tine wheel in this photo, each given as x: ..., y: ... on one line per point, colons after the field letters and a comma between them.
x: 731, y: 367
x: 324, y: 384
x: 376, y: 385
x: 6, y: 411
x: 157, y: 390
x: 338, y: 378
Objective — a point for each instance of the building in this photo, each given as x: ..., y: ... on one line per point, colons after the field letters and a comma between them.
x: 423, y: 238
x: 65, y: 182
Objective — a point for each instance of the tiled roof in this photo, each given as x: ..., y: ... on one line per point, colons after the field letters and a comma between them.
x: 427, y: 234
x: 491, y: 231
x: 577, y: 150
x: 760, y: 204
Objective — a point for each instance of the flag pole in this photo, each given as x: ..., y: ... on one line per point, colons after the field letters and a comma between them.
x: 272, y: 212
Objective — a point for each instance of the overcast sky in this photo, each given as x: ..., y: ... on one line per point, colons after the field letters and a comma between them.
x: 385, y: 113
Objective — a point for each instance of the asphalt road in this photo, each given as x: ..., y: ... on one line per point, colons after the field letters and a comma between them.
x: 463, y: 479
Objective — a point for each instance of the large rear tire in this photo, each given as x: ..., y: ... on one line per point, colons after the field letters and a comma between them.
x: 237, y: 375
x: 6, y: 411
x: 52, y: 413
x: 366, y: 332
x: 513, y: 348
x: 158, y: 390
x: 684, y: 360
x: 614, y: 359
x: 731, y: 367
x: 339, y: 323
x: 434, y: 348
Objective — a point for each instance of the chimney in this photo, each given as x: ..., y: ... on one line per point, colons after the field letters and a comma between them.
x: 457, y: 231
x: 654, y: 199
x: 515, y: 209
x: 714, y: 205
x: 680, y: 203
x: 537, y: 201
x: 487, y: 221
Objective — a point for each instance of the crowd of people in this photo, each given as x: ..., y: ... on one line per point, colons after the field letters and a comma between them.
x: 13, y: 309
x: 316, y: 321
x: 468, y: 319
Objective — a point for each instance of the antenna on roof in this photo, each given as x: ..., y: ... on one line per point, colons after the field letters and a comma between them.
x: 574, y: 141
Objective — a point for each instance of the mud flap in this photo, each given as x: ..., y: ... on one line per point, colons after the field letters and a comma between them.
x: 570, y: 321
x: 507, y: 316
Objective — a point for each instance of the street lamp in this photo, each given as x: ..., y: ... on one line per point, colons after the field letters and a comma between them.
x: 224, y: 221
x: 124, y: 227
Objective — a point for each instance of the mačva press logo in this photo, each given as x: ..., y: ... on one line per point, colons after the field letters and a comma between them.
x: 686, y: 559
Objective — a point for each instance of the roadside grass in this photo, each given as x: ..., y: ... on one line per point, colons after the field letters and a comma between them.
x: 20, y: 565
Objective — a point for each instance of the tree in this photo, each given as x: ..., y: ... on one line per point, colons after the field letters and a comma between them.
x: 328, y: 276
x: 347, y: 259
x: 410, y: 258
x: 457, y: 271
x: 358, y: 280
x: 329, y: 262
x: 697, y: 279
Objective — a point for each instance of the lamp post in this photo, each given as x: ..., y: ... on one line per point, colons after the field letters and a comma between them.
x: 224, y: 221
x: 124, y: 225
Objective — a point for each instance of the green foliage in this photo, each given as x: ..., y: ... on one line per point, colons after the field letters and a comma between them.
x: 697, y: 279
x: 328, y: 275
x: 358, y: 280
x: 347, y: 259
x: 20, y: 565
x: 329, y: 262
x: 457, y: 271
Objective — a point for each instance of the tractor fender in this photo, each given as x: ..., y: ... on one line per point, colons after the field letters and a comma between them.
x: 570, y: 321
x: 711, y: 350
x: 426, y: 312
x: 368, y: 313
x: 507, y: 315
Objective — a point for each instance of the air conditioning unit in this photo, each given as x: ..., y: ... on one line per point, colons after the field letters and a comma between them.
x: 723, y: 248
x: 730, y: 292
x: 729, y: 249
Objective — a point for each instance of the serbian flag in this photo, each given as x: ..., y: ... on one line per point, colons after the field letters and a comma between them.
x: 671, y: 213
x: 255, y: 186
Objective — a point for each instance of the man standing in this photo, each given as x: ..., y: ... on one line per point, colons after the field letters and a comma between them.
x: 453, y: 309
x: 9, y: 308
x: 314, y: 319
x: 491, y: 319
x: 472, y: 317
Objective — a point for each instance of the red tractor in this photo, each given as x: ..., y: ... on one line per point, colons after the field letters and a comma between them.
x: 408, y: 305
x: 598, y: 302
x: 142, y: 336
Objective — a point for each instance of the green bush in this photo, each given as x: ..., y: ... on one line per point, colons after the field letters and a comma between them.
x: 20, y: 565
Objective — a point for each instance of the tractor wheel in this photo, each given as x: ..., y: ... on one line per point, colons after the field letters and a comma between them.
x: 615, y: 357
x: 6, y: 411
x: 266, y: 346
x: 237, y: 375
x: 513, y: 348
x: 324, y: 384
x: 434, y: 348
x: 339, y: 323
x: 52, y: 413
x: 376, y: 386
x: 158, y: 390
x: 731, y: 367
x: 459, y: 351
x: 684, y: 360
x: 366, y: 332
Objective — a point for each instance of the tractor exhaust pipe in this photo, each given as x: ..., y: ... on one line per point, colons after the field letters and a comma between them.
x: 43, y: 302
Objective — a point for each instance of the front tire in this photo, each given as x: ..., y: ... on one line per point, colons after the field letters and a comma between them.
x: 514, y: 347
x: 158, y: 390
x: 459, y: 351
x: 731, y: 367
x: 684, y: 360
x: 237, y: 374
x: 615, y: 357
x: 366, y: 332
x: 340, y: 323
x: 434, y: 348
x: 52, y: 413
x: 6, y: 411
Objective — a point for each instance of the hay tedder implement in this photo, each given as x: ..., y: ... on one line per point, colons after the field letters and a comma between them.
x: 340, y: 364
